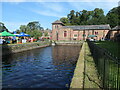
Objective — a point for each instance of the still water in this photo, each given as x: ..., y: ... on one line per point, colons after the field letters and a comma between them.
x: 49, y: 67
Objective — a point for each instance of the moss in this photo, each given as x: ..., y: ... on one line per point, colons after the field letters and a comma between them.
x: 91, y: 75
x: 85, y: 74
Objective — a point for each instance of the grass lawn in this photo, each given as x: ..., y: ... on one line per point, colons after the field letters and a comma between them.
x: 112, y: 47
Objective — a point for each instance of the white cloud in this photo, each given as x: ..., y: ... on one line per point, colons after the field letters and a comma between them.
x: 50, y: 9
x: 52, y: 6
x: 48, y: 13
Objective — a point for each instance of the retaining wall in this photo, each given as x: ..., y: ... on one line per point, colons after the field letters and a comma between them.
x: 77, y: 80
x: 85, y: 73
x: 68, y: 42
x: 14, y: 48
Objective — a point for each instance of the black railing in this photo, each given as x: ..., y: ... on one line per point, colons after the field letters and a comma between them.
x: 108, y: 67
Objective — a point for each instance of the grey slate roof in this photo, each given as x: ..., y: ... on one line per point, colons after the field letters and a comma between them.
x: 116, y: 28
x: 89, y: 27
x: 58, y: 22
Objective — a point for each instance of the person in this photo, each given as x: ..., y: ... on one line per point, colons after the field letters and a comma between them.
x: 14, y: 40
x: 2, y: 41
x: 29, y: 40
x: 32, y: 39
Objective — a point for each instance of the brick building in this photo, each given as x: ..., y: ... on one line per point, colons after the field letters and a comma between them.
x: 48, y: 32
x: 81, y: 32
x: 114, y: 34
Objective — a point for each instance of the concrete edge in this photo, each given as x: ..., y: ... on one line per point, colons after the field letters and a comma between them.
x: 77, y: 80
x: 16, y: 51
x: 25, y: 49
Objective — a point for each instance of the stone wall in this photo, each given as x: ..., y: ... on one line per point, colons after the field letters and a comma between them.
x: 68, y: 42
x: 85, y: 74
x: 14, y: 48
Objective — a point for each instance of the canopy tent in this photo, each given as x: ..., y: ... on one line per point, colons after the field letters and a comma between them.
x: 16, y: 34
x: 5, y: 33
x: 22, y: 34
x: 92, y: 36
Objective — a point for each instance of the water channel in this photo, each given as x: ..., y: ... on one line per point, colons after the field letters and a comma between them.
x: 49, y: 67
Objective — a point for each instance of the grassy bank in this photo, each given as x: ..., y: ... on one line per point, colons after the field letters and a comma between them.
x: 107, y: 65
x: 112, y: 47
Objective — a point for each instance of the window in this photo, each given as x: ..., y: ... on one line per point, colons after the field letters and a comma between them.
x: 75, y: 35
x: 96, y: 33
x: 65, y: 33
x: 55, y: 26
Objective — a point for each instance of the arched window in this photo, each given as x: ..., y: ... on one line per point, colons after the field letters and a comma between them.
x: 55, y: 27
x: 96, y: 33
x: 65, y: 33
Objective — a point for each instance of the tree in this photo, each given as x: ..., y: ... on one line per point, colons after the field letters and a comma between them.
x: 32, y: 28
x: 34, y: 25
x: 98, y: 13
x: 113, y: 17
x: 64, y: 20
x: 77, y: 18
x: 45, y: 34
x: 23, y: 28
x: 71, y: 17
x: 85, y: 17
x: 3, y: 27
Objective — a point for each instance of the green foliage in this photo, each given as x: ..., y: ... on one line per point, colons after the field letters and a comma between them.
x: 32, y: 28
x: 113, y: 16
x: 94, y: 17
x: 3, y: 27
x: 64, y: 20
x: 71, y: 17
x: 45, y: 33
x: 112, y: 47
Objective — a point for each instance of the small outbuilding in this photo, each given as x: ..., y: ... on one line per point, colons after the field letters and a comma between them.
x: 114, y: 34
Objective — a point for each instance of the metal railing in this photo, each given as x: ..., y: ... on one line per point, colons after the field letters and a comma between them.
x: 108, y: 67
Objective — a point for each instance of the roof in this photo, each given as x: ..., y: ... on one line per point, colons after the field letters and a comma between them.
x: 116, y: 28
x: 58, y: 22
x: 89, y: 27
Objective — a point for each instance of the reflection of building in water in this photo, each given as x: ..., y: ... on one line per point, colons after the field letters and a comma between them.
x: 65, y: 54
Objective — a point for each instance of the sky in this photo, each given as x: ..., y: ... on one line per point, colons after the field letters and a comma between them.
x: 20, y: 12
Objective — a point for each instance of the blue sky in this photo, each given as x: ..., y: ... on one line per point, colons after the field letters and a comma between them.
x: 21, y: 12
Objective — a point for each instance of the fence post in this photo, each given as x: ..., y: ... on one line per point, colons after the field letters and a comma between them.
x: 118, y: 81
x: 104, y: 72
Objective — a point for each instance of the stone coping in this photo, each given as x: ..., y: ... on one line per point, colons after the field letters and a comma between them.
x: 77, y: 80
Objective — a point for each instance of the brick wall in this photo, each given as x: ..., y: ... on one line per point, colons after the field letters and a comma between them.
x: 58, y: 33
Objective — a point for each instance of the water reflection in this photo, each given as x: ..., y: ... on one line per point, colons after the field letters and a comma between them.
x: 65, y: 55
x: 50, y: 67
